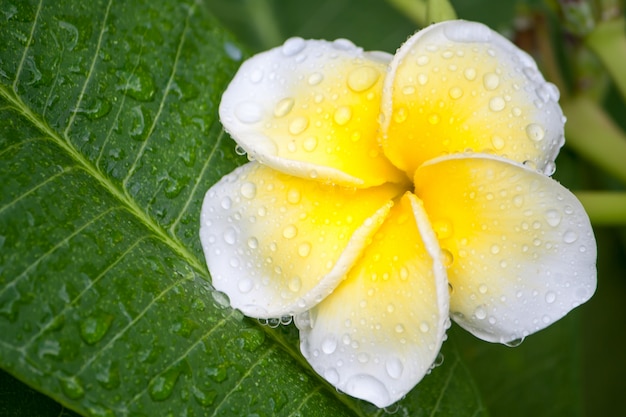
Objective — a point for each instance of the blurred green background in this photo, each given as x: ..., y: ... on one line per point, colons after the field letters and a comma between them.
x: 576, y: 367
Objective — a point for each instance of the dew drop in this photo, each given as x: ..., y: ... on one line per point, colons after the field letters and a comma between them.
x: 550, y: 297
x: 443, y: 229
x: 309, y: 144
x: 422, y: 79
x: 283, y: 107
x: 342, y: 115
x: 491, y: 81
x: 495, y: 249
x: 553, y: 217
x: 230, y: 236
x: 304, y: 249
x: 408, y: 90
x: 424, y: 327
x: 366, y: 386
x: 294, y: 196
x: 400, y: 115
x: 295, y: 284
x: 72, y: 388
x: 455, y: 93
x: 518, y: 201
x: 329, y: 345
x: 515, y: 342
x: 362, y: 78
x: 249, y: 112
x: 433, y: 119
x: 248, y: 190
x: 245, y: 285
x: 256, y: 76
x: 315, y: 78
x: 497, y: 142
x: 482, y: 288
x: 292, y: 46
x: 298, y: 125
x: 480, y: 313
x: 331, y: 376
x: 447, y: 258
x: 394, y: 368
x: 535, y: 132
x: 422, y: 60
x: 497, y: 104
x: 290, y: 232
x: 94, y: 327
x: 469, y: 74
x: 162, y: 386
x: 399, y: 328
x: 570, y: 236
x: 363, y: 357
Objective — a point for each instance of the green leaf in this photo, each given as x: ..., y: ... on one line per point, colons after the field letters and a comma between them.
x: 109, y: 140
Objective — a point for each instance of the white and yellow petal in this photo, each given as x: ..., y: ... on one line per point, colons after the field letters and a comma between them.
x: 457, y: 86
x: 378, y: 333
x: 278, y: 244
x: 519, y: 247
x: 310, y: 108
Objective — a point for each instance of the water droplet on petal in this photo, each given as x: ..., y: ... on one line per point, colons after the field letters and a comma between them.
x: 249, y: 112
x: 309, y: 144
x: 315, y: 78
x: 245, y: 285
x: 248, y: 190
x: 553, y: 217
x: 455, y: 93
x: 570, y: 236
x: 497, y: 104
x: 497, y: 142
x: 443, y: 228
x: 495, y: 249
x: 290, y: 232
x: 394, y: 368
x: 292, y: 46
x: 550, y: 297
x: 491, y: 81
x: 230, y: 236
x: 362, y: 78
x: 433, y: 119
x: 331, y: 376
x: 482, y: 288
x: 304, y: 249
x: 329, y: 345
x: 400, y: 115
x: 342, y: 115
x: 422, y: 79
x: 423, y: 60
x: 298, y: 125
x: 447, y: 258
x: 535, y: 132
x: 424, y: 327
x: 283, y: 107
x: 294, y: 196
x: 399, y: 328
x: 295, y: 284
x: 253, y: 243
x: 470, y: 74
x: 408, y: 90
x: 363, y: 357
x: 480, y: 313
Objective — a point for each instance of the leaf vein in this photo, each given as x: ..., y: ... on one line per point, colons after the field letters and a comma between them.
x: 166, y: 91
x: 55, y: 247
x: 207, y: 162
x: 445, y: 386
x: 27, y: 47
x: 70, y: 123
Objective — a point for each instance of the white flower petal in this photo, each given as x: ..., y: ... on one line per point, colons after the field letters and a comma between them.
x: 277, y: 244
x: 310, y: 109
x: 378, y: 333
x: 457, y: 86
x: 519, y: 246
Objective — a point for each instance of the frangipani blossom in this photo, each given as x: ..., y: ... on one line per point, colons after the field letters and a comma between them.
x: 390, y: 193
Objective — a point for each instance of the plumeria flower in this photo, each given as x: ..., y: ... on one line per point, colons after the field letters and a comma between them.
x: 388, y: 194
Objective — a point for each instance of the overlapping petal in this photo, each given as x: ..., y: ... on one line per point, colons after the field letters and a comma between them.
x: 520, y: 249
x: 457, y: 86
x: 278, y: 244
x: 310, y: 109
x: 379, y: 332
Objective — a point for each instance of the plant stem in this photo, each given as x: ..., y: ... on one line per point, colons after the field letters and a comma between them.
x: 608, y: 42
x: 591, y: 132
x: 425, y: 12
x: 605, y: 208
